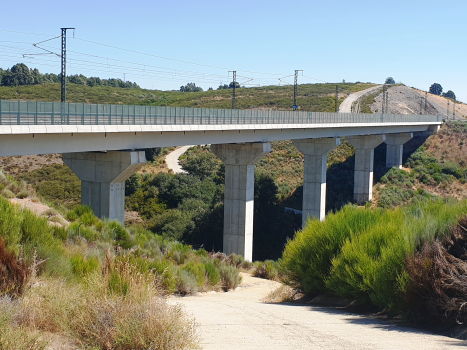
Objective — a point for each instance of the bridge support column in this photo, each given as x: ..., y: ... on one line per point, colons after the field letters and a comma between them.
x: 103, y: 176
x: 314, y: 178
x: 395, y: 147
x: 364, y: 158
x: 240, y: 160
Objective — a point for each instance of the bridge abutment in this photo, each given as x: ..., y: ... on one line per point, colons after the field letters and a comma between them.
x: 395, y: 146
x: 103, y: 176
x: 364, y: 158
x: 240, y: 160
x: 314, y: 178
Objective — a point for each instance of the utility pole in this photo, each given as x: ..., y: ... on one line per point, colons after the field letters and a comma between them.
x: 426, y: 101
x: 387, y: 101
x: 234, y: 80
x: 384, y: 99
x: 337, y: 98
x: 454, y: 109
x: 447, y: 111
x: 63, y: 80
x: 421, y: 105
x: 295, y: 89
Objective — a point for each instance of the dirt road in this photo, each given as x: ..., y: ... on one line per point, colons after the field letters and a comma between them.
x: 240, y: 320
x: 346, y: 105
x: 172, y: 159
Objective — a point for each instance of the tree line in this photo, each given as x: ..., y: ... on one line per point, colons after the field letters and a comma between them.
x: 21, y: 74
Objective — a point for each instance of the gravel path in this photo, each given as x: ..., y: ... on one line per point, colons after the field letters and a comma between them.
x: 346, y: 105
x: 171, y: 159
x: 240, y: 320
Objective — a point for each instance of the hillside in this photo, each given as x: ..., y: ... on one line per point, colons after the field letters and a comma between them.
x: 311, y: 97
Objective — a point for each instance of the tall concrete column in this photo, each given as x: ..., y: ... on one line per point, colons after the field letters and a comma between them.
x: 103, y: 176
x: 364, y: 158
x: 240, y: 160
x: 314, y: 178
x: 395, y: 147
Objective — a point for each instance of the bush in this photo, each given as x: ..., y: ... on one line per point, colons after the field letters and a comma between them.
x: 7, y: 193
x: 22, y: 194
x: 197, y: 270
x: 230, y: 277
x: 212, y: 273
x: 186, y: 283
x: 14, y: 273
x: 307, y: 258
x: 371, y: 262
x: 437, y: 291
x: 268, y: 270
x: 72, y: 216
x: 83, y: 266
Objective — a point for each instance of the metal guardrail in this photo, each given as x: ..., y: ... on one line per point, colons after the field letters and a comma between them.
x: 58, y: 113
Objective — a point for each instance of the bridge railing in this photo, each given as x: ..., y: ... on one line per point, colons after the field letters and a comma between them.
x: 57, y: 113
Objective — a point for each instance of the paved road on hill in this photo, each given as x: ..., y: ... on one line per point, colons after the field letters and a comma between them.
x: 240, y: 320
x: 171, y: 159
x: 346, y: 105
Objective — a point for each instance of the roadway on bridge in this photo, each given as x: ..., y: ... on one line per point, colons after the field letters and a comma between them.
x: 240, y: 320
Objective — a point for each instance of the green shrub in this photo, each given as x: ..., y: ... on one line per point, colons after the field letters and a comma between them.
x: 82, y: 266
x: 60, y: 233
x: 370, y: 262
x: 212, y: 273
x: 7, y: 193
x: 307, y: 258
x: 230, y: 276
x: 197, y: 270
x: 268, y: 270
x: 89, y: 218
x: 186, y: 283
x: 201, y: 252
x: 72, y: 216
x: 22, y: 194
x: 168, y: 273
x: 450, y: 168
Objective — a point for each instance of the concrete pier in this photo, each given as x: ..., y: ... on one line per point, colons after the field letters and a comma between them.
x: 395, y: 146
x: 364, y: 158
x: 240, y: 160
x: 314, y: 178
x: 103, y: 176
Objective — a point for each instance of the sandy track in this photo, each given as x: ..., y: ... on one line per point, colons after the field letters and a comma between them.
x: 171, y: 159
x: 240, y: 320
x: 346, y: 105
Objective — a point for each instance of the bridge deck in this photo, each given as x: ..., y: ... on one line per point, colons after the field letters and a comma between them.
x: 57, y: 113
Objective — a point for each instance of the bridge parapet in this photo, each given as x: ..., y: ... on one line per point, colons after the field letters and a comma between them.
x: 58, y: 113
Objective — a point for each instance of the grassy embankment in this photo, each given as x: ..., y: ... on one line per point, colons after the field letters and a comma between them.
x: 311, y: 97
x: 63, y: 280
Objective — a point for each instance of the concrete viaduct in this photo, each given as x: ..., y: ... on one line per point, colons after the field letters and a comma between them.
x: 98, y: 141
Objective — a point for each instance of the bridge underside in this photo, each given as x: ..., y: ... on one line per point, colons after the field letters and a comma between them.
x: 27, y: 140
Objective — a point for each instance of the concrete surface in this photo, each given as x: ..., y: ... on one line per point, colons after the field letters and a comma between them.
x: 239, y: 194
x: 364, y: 159
x: 172, y: 159
x: 314, y: 178
x: 239, y: 320
x: 395, y: 147
x: 103, y: 176
x: 346, y: 105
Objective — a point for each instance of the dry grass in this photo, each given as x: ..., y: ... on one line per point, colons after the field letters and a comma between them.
x: 438, y: 273
x: 14, y: 273
x: 120, y: 309
x: 282, y: 294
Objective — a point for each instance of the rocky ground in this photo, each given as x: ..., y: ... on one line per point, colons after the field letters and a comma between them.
x: 405, y: 100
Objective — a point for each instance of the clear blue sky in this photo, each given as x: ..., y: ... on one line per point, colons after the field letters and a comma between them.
x: 415, y: 42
